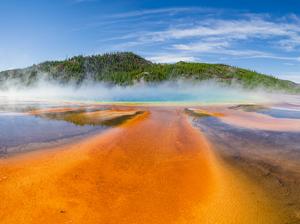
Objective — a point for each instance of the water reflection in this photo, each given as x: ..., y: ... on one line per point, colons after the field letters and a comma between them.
x: 19, y: 129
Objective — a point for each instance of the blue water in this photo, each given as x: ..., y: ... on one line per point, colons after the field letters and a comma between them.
x: 237, y: 141
x: 281, y: 113
x: 17, y: 129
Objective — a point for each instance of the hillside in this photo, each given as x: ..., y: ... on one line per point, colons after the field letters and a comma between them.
x: 126, y: 68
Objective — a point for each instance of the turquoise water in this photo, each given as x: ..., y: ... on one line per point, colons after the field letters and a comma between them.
x: 162, y: 92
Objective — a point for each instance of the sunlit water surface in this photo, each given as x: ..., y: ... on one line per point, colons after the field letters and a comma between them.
x: 20, y: 131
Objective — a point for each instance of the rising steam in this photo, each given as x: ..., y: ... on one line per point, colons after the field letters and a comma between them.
x: 171, y: 91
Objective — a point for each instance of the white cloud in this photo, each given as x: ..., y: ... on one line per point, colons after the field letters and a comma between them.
x: 241, y: 29
x: 221, y: 35
x: 224, y: 48
x: 202, y: 46
x: 188, y: 31
x: 171, y: 58
x: 173, y: 10
x: 293, y: 76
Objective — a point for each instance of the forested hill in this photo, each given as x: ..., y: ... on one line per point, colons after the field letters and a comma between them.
x: 126, y: 68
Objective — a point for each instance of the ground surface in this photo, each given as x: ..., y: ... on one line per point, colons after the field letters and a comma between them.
x: 156, y: 168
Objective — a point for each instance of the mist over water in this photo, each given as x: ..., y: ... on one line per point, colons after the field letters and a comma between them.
x: 171, y: 91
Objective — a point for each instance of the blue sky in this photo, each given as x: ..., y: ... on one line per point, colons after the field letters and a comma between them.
x: 259, y: 35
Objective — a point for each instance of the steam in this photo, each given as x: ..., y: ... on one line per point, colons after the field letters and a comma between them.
x: 171, y: 91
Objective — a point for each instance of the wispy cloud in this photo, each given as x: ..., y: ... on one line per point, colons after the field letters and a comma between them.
x: 205, y: 46
x: 184, y: 33
x: 294, y: 76
x: 257, y: 28
x: 224, y: 48
x: 171, y: 11
x: 171, y: 58
x: 227, y: 36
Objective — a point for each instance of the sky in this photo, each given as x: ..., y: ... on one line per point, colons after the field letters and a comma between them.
x: 259, y: 35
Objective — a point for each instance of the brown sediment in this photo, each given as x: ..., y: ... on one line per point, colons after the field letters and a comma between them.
x: 65, y: 107
x: 104, y: 115
x: 53, y: 110
x: 281, y: 184
x: 88, y: 115
x: 249, y: 107
x: 201, y: 112
x: 155, y: 168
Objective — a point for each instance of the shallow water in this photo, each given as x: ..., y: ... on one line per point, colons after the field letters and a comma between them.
x: 18, y: 130
x: 250, y: 140
x: 155, y: 169
x: 281, y: 113
x: 272, y: 158
x: 134, y: 159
